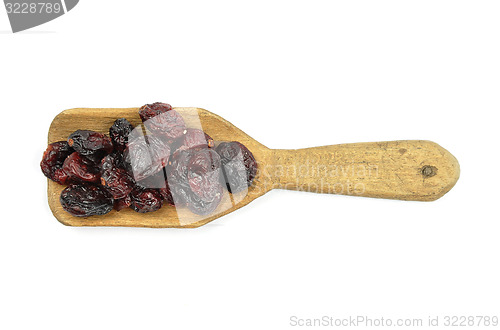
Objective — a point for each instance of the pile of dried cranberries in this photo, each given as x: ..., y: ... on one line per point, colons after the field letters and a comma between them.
x: 171, y: 163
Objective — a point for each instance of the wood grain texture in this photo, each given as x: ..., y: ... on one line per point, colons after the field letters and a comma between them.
x: 406, y: 170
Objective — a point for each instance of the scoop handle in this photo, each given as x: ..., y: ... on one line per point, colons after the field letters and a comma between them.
x: 407, y: 170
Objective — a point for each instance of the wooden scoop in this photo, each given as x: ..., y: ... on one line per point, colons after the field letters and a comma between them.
x: 407, y: 170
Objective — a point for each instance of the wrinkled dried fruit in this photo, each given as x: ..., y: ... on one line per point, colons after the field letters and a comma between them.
x: 122, y: 203
x: 60, y: 176
x: 95, y: 158
x: 167, y: 194
x: 238, y: 166
x: 145, y: 200
x: 155, y: 181
x: 160, y: 119
x: 193, y: 138
x: 80, y: 169
x: 179, y: 194
x: 170, y: 163
x: 178, y: 166
x: 202, y: 207
x: 53, y: 160
x: 87, y: 142
x: 177, y: 176
x: 83, y: 200
x: 158, y: 181
x: 149, y: 111
x: 118, y: 182
x: 203, y: 173
x: 113, y: 160
x: 194, y: 179
x: 146, y: 156
x: 119, y: 133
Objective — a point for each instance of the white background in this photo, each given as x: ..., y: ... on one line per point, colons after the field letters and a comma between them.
x: 291, y: 74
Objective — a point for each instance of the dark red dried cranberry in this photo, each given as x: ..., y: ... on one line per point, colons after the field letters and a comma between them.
x: 177, y: 176
x: 194, y: 179
x: 53, y: 159
x: 118, y: 182
x: 95, y: 158
x: 203, y: 207
x: 238, y: 166
x: 113, y: 160
x: 61, y: 177
x: 203, y: 173
x: 159, y: 118
x: 179, y: 193
x: 119, y: 133
x: 84, y: 200
x: 167, y: 194
x: 193, y: 138
x: 178, y: 165
x: 108, y: 162
x: 145, y: 200
x: 146, y: 156
x: 158, y: 181
x: 155, y: 181
x: 87, y: 142
x: 80, y: 169
x: 149, y: 111
x: 122, y: 203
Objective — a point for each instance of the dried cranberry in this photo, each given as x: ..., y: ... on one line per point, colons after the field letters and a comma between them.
x: 53, y: 160
x: 149, y: 111
x: 113, y: 160
x: 146, y: 156
x: 122, y: 203
x: 158, y: 181
x: 155, y: 181
x: 118, y: 182
x: 177, y: 176
x: 194, y: 179
x: 119, y: 133
x: 203, y: 173
x: 178, y: 166
x: 87, y: 142
x: 193, y: 138
x: 203, y: 207
x: 145, y: 200
x: 179, y: 193
x: 84, y: 200
x: 159, y: 118
x: 80, y: 169
x: 60, y: 176
x: 95, y: 158
x: 167, y: 194
x: 238, y: 166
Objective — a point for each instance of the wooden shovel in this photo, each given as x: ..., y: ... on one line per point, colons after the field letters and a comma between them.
x: 407, y: 170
